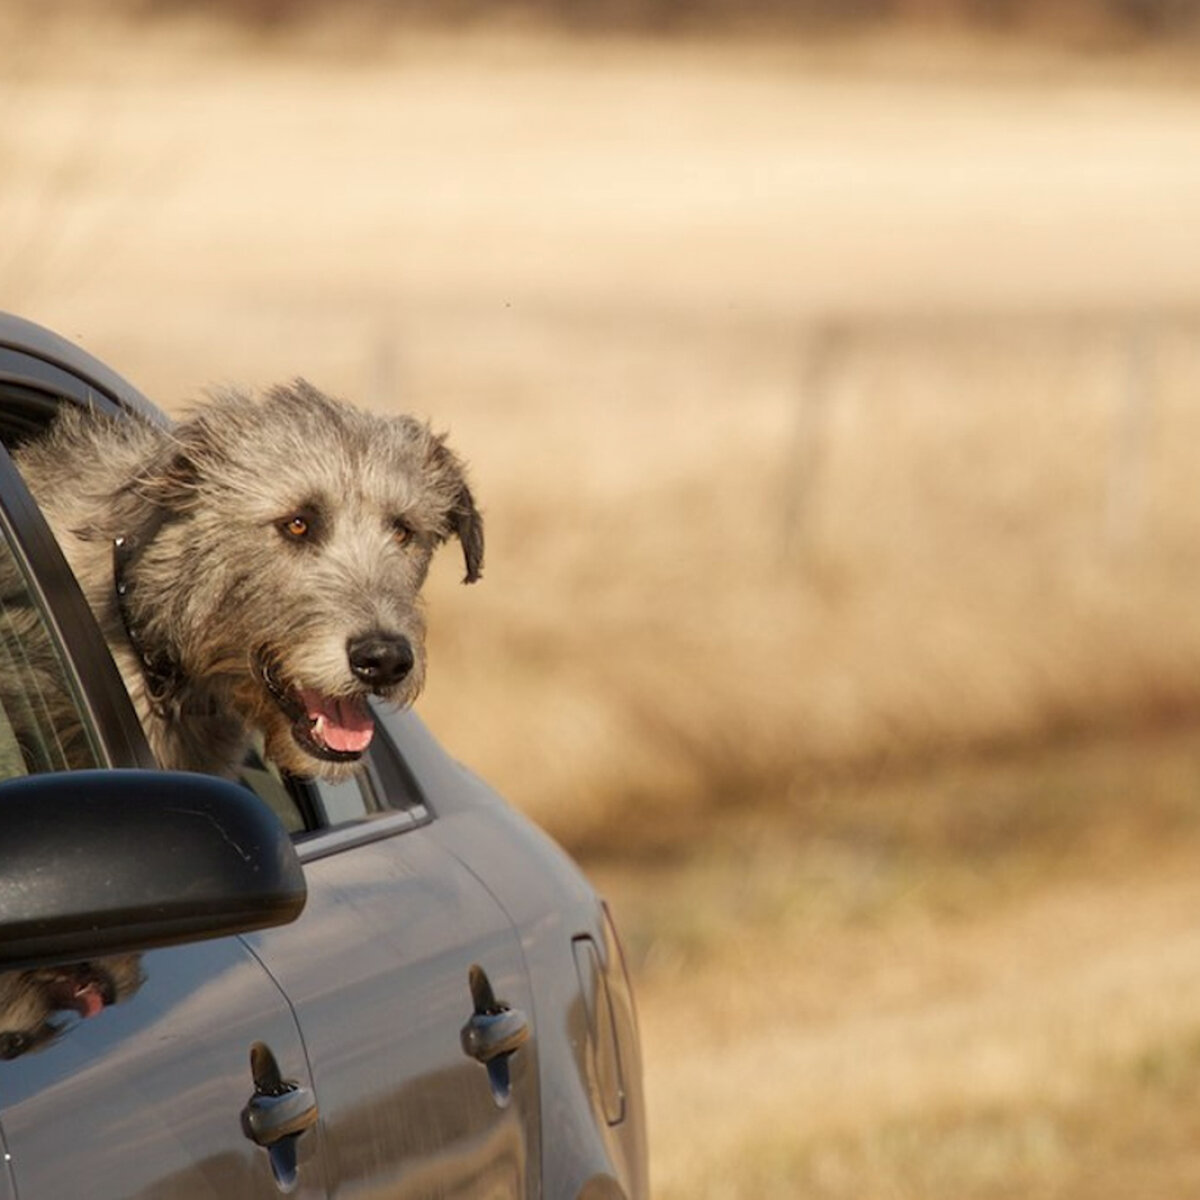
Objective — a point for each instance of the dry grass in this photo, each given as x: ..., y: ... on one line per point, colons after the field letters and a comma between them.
x: 751, y: 585
x: 976, y: 982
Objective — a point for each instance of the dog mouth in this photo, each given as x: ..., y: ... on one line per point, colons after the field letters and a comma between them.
x: 85, y: 990
x: 332, y: 728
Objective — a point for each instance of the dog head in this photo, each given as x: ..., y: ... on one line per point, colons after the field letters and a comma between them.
x: 37, y: 1006
x: 293, y: 536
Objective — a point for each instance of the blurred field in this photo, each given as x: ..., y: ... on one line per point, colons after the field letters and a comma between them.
x: 979, y: 981
x: 833, y: 408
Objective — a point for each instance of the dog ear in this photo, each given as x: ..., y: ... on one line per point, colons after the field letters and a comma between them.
x: 164, y: 487
x: 168, y: 483
x: 463, y: 518
x: 468, y: 528
x: 170, y: 479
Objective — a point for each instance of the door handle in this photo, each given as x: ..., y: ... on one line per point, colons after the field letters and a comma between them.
x: 488, y: 1035
x: 268, y: 1119
x: 275, y: 1116
x: 493, y: 1033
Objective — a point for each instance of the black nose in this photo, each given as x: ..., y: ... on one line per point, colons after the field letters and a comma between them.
x: 380, y: 659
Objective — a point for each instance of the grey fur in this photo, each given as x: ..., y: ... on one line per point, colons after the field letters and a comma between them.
x: 218, y: 587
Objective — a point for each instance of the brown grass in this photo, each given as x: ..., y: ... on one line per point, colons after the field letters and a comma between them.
x: 976, y: 982
x: 833, y: 410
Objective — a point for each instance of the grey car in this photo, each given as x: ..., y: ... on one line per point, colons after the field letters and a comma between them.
x: 394, y: 987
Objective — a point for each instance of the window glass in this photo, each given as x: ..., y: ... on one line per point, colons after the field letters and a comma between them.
x: 42, y: 724
x: 381, y: 785
x: 343, y: 801
x: 393, y: 782
x: 265, y: 781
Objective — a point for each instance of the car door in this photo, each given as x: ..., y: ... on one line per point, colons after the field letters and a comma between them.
x: 398, y: 948
x: 126, y: 1075
x: 134, y: 1078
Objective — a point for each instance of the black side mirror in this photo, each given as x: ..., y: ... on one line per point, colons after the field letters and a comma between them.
x: 102, y: 862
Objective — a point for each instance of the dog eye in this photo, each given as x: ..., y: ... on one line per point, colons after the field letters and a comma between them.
x: 401, y: 533
x: 297, y: 527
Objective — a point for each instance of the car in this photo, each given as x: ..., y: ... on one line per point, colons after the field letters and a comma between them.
x: 212, y: 989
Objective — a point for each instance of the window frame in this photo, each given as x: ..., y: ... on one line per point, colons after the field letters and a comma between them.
x: 89, y: 668
x: 382, y: 759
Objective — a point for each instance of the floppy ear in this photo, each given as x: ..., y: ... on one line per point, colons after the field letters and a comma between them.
x: 468, y: 528
x: 462, y: 517
x: 169, y: 480
x: 163, y: 487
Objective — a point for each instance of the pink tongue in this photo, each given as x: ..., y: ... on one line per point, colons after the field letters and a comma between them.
x: 88, y: 1001
x: 344, y: 725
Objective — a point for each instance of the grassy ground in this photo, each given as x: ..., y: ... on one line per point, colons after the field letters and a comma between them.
x: 977, y: 981
x: 833, y: 412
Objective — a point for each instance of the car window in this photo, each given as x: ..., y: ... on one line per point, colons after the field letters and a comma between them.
x: 265, y: 781
x: 381, y: 786
x: 43, y: 726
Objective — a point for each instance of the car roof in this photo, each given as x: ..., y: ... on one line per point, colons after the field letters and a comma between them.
x: 34, y: 356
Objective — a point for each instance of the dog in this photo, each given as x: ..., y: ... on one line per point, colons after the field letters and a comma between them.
x: 256, y: 569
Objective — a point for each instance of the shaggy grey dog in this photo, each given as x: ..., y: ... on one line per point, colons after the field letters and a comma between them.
x: 257, y: 567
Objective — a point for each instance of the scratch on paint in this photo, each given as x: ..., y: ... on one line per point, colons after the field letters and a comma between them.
x: 195, y: 812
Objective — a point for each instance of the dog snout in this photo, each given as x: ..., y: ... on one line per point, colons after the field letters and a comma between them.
x: 380, y: 659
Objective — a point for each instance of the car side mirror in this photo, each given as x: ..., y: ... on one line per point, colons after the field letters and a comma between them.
x: 104, y: 862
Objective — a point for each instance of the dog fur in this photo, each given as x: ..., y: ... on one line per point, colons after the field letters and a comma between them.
x: 34, y: 1004
x: 271, y: 551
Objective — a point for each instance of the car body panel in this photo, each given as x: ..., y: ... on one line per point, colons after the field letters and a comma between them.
x: 144, y: 1099
x: 378, y: 974
x: 8, y: 1186
x: 549, y: 907
x: 30, y: 353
